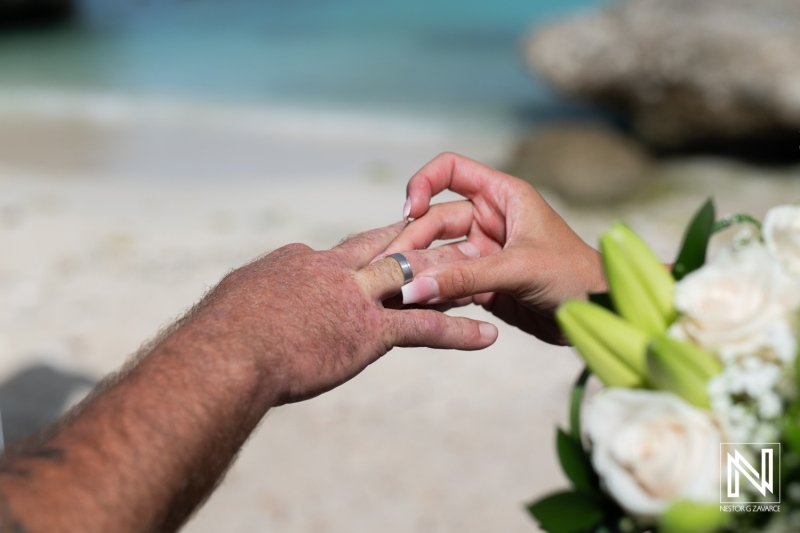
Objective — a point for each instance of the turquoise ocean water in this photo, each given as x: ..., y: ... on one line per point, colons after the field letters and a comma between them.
x: 420, y: 56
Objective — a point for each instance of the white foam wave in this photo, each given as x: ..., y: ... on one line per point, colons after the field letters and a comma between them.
x: 285, y: 122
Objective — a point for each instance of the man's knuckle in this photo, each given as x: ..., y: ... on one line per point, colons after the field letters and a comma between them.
x: 232, y: 278
x: 434, y: 323
x: 293, y: 248
x: 350, y: 237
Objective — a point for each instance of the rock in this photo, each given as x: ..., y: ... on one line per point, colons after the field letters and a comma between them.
x: 683, y: 71
x: 585, y: 163
x: 34, y: 12
x: 35, y: 396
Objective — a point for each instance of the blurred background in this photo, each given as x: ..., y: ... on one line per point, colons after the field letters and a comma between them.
x: 149, y: 146
x: 307, y: 71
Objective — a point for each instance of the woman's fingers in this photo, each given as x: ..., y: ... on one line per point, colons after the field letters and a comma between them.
x: 452, y: 172
x: 493, y: 273
x: 449, y: 220
x: 422, y: 327
x: 446, y: 306
x: 507, y: 308
x: 396, y: 302
x: 384, y: 278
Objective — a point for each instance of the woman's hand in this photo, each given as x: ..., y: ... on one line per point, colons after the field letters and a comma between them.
x: 530, y: 259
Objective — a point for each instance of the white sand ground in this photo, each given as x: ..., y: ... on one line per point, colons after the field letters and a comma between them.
x: 102, y: 247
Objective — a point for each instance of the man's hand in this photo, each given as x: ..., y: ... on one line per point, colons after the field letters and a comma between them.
x: 313, y: 320
x: 152, y: 442
x: 530, y: 259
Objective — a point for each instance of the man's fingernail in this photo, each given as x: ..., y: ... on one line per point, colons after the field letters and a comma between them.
x: 488, y: 331
x: 407, y: 209
x: 420, y: 290
x: 379, y: 257
x: 469, y: 249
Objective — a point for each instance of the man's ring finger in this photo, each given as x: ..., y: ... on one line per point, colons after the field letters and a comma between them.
x: 405, y: 266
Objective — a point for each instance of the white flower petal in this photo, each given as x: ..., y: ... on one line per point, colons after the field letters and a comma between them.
x: 650, y: 448
x: 781, y: 231
x: 738, y: 304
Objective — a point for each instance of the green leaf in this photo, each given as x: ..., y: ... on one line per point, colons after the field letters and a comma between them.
x: 576, y: 399
x: 732, y: 220
x: 797, y: 368
x: 695, y: 242
x: 567, y: 512
x: 575, y: 463
x: 791, y: 433
x: 790, y: 427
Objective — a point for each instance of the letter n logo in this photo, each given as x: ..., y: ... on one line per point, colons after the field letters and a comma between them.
x: 741, y: 474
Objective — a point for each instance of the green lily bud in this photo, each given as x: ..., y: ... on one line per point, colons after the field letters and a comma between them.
x: 640, y: 285
x: 686, y: 516
x: 612, y: 348
x: 681, y: 368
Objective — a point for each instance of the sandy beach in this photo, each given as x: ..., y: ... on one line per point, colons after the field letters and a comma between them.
x: 111, y: 227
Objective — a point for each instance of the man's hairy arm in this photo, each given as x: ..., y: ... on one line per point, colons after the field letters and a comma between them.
x: 151, y: 443
x: 140, y: 454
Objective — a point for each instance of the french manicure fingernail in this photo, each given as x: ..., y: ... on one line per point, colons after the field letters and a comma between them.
x: 488, y: 331
x: 469, y: 249
x: 407, y: 209
x: 420, y: 290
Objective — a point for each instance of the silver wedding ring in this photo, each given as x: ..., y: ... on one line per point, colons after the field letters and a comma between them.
x: 405, y: 266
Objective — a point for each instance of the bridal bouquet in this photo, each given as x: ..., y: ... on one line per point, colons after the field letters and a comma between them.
x: 698, y: 426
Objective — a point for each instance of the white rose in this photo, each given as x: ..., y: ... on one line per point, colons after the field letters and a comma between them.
x: 651, y: 448
x: 741, y: 303
x: 781, y: 231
